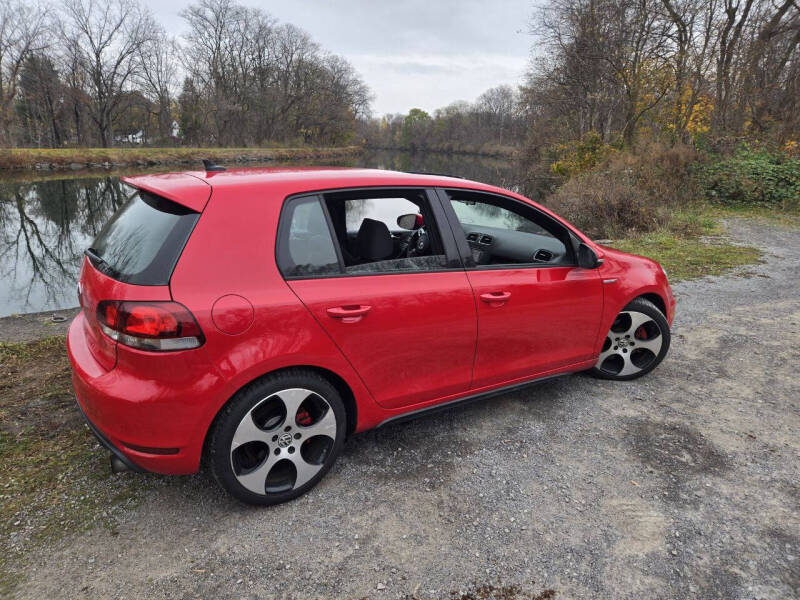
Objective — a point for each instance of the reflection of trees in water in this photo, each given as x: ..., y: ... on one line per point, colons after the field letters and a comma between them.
x: 45, y: 225
x: 479, y: 168
x: 44, y: 228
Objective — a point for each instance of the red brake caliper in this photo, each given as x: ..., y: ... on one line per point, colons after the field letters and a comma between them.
x: 641, y: 333
x: 303, y: 417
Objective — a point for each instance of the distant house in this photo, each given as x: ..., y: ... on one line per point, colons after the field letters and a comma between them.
x: 131, y: 138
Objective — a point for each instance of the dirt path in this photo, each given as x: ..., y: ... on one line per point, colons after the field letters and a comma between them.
x: 685, y: 484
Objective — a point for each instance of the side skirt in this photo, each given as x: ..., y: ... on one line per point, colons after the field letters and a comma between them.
x: 428, y: 410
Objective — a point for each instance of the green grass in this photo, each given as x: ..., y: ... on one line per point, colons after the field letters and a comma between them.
x: 27, y: 158
x: 694, y: 244
x: 689, y: 257
x: 55, y: 478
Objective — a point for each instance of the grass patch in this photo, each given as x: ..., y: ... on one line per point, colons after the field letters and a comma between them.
x: 689, y: 257
x: 55, y: 479
x: 788, y: 218
x: 61, y: 158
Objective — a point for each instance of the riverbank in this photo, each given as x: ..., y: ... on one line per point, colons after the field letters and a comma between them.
x: 60, y: 159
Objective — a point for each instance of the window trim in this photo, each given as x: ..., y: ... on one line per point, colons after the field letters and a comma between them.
x: 451, y: 250
x: 463, y: 245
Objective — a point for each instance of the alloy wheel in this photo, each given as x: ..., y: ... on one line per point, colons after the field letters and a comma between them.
x: 283, y: 441
x: 632, y: 345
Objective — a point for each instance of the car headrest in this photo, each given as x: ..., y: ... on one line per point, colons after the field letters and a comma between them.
x: 373, y: 241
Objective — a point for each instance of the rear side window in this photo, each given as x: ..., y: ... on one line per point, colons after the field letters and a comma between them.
x: 307, y: 247
x: 143, y: 240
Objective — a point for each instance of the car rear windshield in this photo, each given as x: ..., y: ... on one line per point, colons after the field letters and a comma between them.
x: 143, y: 240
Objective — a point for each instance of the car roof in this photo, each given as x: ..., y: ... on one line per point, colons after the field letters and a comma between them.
x: 191, y: 187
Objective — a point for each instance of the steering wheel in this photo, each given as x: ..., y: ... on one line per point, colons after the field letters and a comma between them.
x: 418, y: 244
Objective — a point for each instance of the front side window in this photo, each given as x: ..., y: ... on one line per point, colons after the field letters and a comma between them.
x: 501, y: 231
x: 381, y: 231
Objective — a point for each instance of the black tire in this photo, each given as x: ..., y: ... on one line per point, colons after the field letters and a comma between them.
x: 262, y: 395
x: 604, y: 368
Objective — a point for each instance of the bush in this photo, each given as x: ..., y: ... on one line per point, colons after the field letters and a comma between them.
x: 607, y: 204
x: 753, y: 178
x: 665, y: 173
x: 631, y: 192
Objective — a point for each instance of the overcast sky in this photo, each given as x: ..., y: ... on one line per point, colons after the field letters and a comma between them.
x: 411, y: 53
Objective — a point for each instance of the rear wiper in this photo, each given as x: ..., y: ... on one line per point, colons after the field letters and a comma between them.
x: 95, y: 257
x: 99, y: 262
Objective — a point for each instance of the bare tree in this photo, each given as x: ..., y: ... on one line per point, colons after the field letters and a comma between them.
x: 736, y: 14
x: 498, y: 105
x: 694, y: 37
x: 104, y: 40
x: 610, y: 56
x: 770, y: 69
x: 158, y: 76
x: 256, y: 81
x: 22, y: 28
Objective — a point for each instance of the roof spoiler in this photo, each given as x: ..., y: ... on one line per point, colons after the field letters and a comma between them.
x: 183, y: 188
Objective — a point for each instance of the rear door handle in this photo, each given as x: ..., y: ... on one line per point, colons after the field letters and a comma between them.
x: 352, y: 313
x: 496, y: 298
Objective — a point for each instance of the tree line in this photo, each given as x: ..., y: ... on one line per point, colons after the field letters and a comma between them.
x: 103, y: 73
x: 683, y: 69
x: 496, y: 120
x: 678, y: 70
x: 90, y: 72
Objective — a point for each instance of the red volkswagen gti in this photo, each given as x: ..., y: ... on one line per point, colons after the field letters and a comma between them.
x: 255, y: 318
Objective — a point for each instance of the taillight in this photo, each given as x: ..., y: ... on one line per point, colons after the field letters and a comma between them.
x: 157, y: 326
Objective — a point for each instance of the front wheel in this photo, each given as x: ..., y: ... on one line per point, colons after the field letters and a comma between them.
x: 277, y: 437
x: 636, y: 343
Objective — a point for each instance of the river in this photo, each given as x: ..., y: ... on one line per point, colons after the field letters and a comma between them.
x: 46, y: 223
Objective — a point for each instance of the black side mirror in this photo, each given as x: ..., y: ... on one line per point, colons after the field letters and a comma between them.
x: 587, y: 258
x: 411, y: 221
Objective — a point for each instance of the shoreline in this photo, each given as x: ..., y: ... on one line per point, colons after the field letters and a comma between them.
x: 43, y: 160
x: 31, y: 327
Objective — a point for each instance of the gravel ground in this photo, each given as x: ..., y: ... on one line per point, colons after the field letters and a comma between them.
x: 683, y: 484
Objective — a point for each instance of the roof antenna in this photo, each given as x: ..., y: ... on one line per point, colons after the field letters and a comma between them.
x: 211, y: 166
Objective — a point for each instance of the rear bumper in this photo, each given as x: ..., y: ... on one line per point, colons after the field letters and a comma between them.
x: 108, y: 445
x: 152, y: 410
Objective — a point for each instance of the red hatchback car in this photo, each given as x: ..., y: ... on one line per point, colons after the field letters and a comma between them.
x: 257, y: 317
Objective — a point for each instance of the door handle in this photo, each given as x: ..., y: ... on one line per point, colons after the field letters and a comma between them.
x: 350, y: 313
x: 496, y: 298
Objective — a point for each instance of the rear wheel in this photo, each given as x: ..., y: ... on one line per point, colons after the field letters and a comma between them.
x: 636, y: 343
x: 277, y: 437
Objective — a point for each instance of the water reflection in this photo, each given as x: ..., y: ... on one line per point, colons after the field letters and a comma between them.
x: 46, y: 224
x: 44, y: 228
x: 500, y: 172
